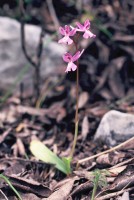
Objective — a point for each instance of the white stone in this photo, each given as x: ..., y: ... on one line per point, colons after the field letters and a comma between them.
x: 115, y: 127
x: 12, y: 59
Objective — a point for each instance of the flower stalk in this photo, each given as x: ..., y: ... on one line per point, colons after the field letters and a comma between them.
x: 71, y: 59
x: 77, y: 106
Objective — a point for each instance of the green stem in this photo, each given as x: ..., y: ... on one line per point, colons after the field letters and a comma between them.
x: 75, y: 139
x: 77, y: 105
x: 94, y: 191
x: 96, y: 183
x: 77, y: 94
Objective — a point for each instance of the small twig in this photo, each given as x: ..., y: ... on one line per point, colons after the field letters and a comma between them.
x: 121, y: 164
x: 21, y: 7
x: 53, y: 14
x: 23, y: 44
x: 22, y: 31
x: 40, y: 47
x: 109, y: 196
x: 3, y: 194
x: 4, y: 135
x: 37, y: 62
x: 104, y: 152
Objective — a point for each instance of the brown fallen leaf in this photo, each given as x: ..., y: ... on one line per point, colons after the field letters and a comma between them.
x: 57, y: 111
x: 21, y: 147
x: 111, y: 158
x: 124, y: 179
x: 114, y: 79
x: 85, y: 128
x: 115, y: 171
x: 31, y: 111
x: 5, y: 134
x: 87, y: 186
x: 124, y: 38
x: 128, y: 49
x: 20, y: 127
x: 29, y: 185
x: 63, y: 192
x: 113, y: 194
x: 98, y: 109
x: 83, y: 98
x: 103, y: 52
x: 7, y: 115
x: 29, y: 196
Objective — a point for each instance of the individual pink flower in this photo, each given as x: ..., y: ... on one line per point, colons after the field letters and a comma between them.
x: 67, y: 33
x: 85, y: 28
x: 67, y: 57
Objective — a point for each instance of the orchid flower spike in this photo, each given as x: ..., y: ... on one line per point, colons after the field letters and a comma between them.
x: 67, y: 57
x: 85, y: 28
x: 67, y: 33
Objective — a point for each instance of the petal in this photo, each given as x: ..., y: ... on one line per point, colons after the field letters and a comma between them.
x: 77, y: 55
x: 68, y: 69
x: 61, y: 30
x: 88, y: 34
x: 76, y: 29
x: 65, y: 40
x: 80, y: 26
x: 72, y: 27
x: 71, y: 66
x: 67, y: 29
x: 69, y: 41
x: 87, y: 24
x: 79, y: 30
x: 72, y: 32
x: 82, y: 52
x: 67, y: 57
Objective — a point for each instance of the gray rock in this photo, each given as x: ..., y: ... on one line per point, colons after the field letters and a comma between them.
x: 125, y: 196
x: 12, y: 59
x: 115, y: 127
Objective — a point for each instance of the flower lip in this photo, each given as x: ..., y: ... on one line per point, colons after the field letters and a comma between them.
x: 85, y: 28
x: 65, y: 40
x: 66, y: 32
x: 71, y: 66
x: 67, y: 57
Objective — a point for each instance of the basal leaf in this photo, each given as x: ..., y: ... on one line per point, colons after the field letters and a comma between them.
x: 67, y: 162
x: 40, y: 151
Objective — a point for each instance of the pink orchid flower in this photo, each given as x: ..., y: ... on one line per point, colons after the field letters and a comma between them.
x: 85, y: 28
x: 67, y: 57
x: 67, y: 33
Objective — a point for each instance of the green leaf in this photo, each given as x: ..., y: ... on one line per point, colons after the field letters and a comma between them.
x: 11, y: 186
x: 67, y: 162
x: 40, y: 151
